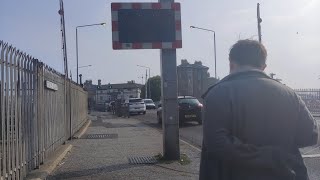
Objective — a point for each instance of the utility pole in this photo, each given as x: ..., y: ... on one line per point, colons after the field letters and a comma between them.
x: 259, y: 22
x: 149, y: 84
x: 64, y: 41
x: 65, y: 60
x: 170, y: 115
x: 146, y: 85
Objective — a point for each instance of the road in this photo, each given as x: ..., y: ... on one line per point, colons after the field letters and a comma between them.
x: 192, y: 133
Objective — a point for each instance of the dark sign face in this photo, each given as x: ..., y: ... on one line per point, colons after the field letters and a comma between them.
x: 146, y: 25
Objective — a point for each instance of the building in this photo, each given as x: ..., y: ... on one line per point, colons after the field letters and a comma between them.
x: 101, y: 94
x: 91, y: 89
x: 193, y: 79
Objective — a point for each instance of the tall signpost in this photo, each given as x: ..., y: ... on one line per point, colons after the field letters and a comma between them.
x: 170, y: 123
x: 155, y: 26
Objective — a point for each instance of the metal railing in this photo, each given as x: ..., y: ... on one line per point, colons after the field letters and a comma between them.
x: 311, y: 97
x: 35, y: 118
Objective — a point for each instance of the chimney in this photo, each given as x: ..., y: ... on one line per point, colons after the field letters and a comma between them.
x: 80, y: 75
x: 184, y: 62
x: 99, y: 82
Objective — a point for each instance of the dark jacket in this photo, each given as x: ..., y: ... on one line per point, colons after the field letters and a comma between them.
x: 253, y: 127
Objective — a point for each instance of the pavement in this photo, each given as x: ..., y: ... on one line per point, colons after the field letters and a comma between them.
x: 123, y: 138
x: 191, y: 132
x: 140, y: 136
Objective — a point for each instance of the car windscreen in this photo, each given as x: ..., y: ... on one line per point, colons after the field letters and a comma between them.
x: 148, y: 101
x: 192, y: 101
x: 135, y: 100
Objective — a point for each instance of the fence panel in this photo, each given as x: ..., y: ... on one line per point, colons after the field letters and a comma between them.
x: 39, y: 110
x: 312, y: 99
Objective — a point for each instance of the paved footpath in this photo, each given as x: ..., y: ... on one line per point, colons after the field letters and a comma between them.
x: 108, y: 158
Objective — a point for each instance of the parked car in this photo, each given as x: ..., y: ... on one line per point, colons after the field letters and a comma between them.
x: 189, y: 110
x: 149, y: 104
x: 137, y: 105
x: 100, y: 107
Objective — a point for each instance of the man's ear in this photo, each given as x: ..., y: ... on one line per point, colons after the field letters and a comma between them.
x: 232, y: 66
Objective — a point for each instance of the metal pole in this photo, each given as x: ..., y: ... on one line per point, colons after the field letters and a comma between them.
x: 77, y: 55
x: 77, y: 52
x: 215, y: 52
x: 64, y: 42
x: 259, y: 22
x: 149, y: 84
x: 170, y: 116
x: 215, y: 55
x: 146, y: 84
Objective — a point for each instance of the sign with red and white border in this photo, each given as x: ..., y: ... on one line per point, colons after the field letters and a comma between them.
x: 115, y: 7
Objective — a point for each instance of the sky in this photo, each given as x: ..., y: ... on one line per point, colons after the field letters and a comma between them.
x: 290, y: 32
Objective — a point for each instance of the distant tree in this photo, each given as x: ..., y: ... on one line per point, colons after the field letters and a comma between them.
x: 155, y: 88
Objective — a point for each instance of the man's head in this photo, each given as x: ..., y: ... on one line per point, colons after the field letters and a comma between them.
x: 247, y: 53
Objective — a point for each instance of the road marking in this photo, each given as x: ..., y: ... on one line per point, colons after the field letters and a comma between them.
x: 196, y: 148
x: 311, y: 156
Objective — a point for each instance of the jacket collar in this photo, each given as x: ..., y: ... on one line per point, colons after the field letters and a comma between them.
x: 245, y: 73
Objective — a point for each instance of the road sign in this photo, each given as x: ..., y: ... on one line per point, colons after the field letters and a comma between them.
x: 146, y: 25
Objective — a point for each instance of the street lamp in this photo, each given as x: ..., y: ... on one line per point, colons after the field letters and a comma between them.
x: 215, y: 52
x: 85, y: 66
x: 148, y: 84
x: 99, y: 24
x: 79, y: 68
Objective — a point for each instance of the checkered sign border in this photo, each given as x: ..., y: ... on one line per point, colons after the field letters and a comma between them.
x: 115, y: 7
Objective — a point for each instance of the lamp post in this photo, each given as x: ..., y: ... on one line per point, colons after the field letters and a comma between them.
x: 79, y: 68
x: 99, y: 24
x: 84, y: 66
x: 215, y: 51
x: 148, y: 82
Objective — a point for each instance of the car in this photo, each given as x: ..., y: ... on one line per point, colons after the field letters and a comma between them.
x: 137, y: 105
x: 100, y: 107
x: 190, y: 109
x: 149, y: 104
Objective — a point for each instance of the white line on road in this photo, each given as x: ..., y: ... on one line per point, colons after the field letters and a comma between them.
x: 196, y: 148
x: 311, y: 156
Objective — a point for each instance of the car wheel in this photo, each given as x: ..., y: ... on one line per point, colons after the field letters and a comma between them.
x: 144, y: 112
x: 200, y: 121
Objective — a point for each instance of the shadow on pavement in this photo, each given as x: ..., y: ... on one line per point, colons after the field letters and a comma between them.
x: 93, y: 171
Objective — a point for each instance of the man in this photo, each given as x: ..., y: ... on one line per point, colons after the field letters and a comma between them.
x: 252, y: 124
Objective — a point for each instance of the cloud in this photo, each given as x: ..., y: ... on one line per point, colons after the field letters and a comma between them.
x: 311, y: 7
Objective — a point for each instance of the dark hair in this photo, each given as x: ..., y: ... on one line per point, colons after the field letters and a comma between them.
x: 248, y: 52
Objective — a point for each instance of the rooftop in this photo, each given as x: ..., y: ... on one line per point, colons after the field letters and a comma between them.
x: 196, y: 64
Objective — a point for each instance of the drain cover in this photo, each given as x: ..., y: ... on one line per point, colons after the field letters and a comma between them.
x: 142, y: 160
x: 101, y: 136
